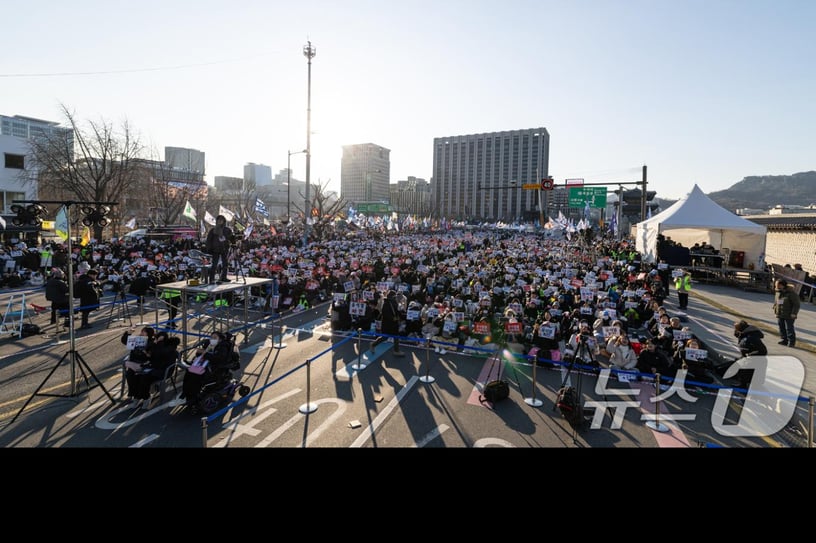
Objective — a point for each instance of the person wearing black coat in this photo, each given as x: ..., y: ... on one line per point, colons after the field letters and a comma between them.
x: 139, y: 359
x: 218, y: 242
x: 56, y: 292
x: 749, y: 339
x: 88, y: 291
x: 162, y: 355
x: 390, y: 321
x: 653, y: 360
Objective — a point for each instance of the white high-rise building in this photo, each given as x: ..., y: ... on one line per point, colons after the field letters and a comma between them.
x: 482, y: 176
x: 365, y: 173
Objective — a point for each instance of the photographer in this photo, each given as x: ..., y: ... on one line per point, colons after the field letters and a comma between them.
x: 582, y: 343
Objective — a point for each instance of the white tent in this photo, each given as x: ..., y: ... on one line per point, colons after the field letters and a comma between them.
x: 697, y: 219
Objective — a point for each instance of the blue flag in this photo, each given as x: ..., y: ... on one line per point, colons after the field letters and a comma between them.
x: 260, y: 207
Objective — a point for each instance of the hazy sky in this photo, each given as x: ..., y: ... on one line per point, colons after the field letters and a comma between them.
x: 699, y: 91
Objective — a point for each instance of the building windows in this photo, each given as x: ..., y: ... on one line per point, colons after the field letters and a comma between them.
x: 13, y: 161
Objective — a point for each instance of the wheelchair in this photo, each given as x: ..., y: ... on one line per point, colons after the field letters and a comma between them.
x: 220, y: 389
x: 219, y: 385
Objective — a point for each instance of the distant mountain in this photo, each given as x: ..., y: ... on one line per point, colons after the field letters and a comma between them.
x: 766, y: 191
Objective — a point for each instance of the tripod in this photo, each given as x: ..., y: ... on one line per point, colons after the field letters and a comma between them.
x: 76, y: 361
x: 234, y: 261
x: 583, y: 354
x: 72, y: 355
x: 123, y: 313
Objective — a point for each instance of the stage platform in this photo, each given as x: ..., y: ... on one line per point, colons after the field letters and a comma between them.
x: 215, y: 291
x: 746, y: 279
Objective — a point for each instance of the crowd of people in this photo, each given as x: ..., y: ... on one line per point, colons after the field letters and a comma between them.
x: 458, y: 288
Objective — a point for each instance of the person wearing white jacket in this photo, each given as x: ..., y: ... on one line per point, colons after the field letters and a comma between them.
x: 621, y: 353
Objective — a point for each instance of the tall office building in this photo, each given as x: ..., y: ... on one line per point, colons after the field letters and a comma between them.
x: 258, y: 175
x: 365, y: 172
x: 481, y: 176
x: 188, y: 160
x: 411, y: 196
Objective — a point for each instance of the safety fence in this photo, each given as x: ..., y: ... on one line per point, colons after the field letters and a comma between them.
x: 665, y: 386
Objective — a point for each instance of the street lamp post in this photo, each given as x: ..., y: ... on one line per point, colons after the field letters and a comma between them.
x: 289, y: 184
x: 309, y: 51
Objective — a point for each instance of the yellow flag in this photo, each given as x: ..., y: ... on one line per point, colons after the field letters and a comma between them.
x: 61, y: 224
x: 86, y: 236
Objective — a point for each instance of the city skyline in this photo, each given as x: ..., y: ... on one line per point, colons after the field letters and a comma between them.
x: 699, y: 92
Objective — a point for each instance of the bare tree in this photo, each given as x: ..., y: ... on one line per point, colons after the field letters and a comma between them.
x: 169, y: 191
x: 97, y: 164
x: 323, y: 210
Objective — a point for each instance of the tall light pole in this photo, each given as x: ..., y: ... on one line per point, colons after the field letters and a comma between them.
x: 309, y: 52
x: 289, y: 183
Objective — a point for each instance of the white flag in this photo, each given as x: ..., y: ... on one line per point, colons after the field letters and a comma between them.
x: 209, y: 219
x: 2, y: 222
x: 189, y: 212
x: 131, y: 223
x: 229, y: 215
x: 61, y: 224
x: 248, y: 231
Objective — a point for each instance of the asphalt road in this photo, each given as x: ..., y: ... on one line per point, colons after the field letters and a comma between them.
x: 312, y: 389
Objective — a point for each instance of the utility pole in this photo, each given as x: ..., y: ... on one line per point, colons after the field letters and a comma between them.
x: 643, y: 196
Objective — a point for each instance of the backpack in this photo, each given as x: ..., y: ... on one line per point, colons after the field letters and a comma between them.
x: 569, y: 405
x: 495, y: 391
x: 29, y: 329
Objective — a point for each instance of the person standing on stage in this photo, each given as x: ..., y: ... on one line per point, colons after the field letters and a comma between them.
x: 218, y: 243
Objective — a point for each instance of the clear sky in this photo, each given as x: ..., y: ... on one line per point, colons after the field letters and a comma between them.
x: 702, y: 92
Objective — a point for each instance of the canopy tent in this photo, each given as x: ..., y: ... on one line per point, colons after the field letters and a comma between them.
x: 698, y: 219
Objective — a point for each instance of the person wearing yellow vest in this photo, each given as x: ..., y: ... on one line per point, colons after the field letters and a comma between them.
x: 682, y: 283
x: 173, y: 299
x: 46, y: 258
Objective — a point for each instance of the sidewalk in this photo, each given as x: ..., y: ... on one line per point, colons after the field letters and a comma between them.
x: 756, y: 308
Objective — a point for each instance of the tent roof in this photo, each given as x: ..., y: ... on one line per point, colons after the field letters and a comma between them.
x: 697, y: 210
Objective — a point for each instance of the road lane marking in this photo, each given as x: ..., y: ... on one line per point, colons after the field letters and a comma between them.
x: 369, y: 430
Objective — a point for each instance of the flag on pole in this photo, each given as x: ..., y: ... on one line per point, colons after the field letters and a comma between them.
x: 203, y: 229
x: 61, y: 224
x: 2, y: 222
x: 209, y: 219
x: 260, y: 207
x: 86, y: 236
x: 131, y: 223
x: 613, y: 223
x: 248, y: 231
x: 189, y: 212
x: 229, y: 215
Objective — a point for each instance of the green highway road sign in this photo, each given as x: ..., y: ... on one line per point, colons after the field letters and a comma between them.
x: 578, y: 196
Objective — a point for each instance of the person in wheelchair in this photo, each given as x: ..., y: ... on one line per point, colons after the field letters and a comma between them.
x: 161, y: 356
x: 212, y: 363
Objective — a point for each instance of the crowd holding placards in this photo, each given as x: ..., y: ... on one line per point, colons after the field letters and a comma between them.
x: 458, y: 287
